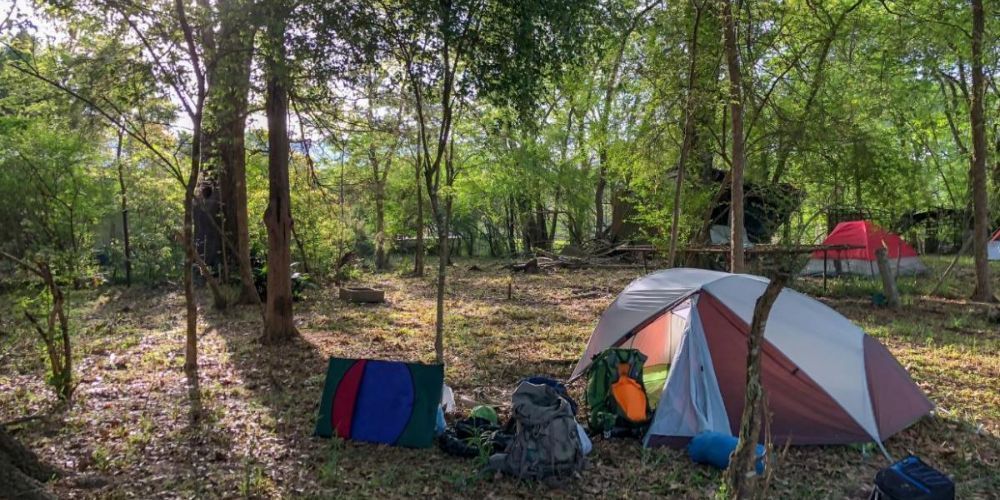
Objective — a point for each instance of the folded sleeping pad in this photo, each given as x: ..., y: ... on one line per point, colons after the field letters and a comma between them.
x: 386, y: 402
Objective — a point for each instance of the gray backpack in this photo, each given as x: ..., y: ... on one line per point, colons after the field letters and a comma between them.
x: 545, y: 442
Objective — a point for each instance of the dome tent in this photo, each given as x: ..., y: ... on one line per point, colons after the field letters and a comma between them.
x: 993, y: 246
x: 867, y: 238
x: 827, y: 382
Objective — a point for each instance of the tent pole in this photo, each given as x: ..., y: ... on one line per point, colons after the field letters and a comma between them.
x: 884, y: 452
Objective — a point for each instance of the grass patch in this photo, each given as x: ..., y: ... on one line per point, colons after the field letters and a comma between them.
x: 131, y: 418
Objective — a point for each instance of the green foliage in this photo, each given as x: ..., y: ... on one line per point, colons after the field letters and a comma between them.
x: 852, y: 104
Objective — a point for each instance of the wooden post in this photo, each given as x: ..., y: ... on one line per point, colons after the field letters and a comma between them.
x: 888, y: 282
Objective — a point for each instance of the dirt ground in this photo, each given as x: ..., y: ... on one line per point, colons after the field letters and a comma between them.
x: 128, y: 433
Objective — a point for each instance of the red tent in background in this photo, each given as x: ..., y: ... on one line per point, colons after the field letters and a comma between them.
x: 993, y: 246
x: 867, y: 237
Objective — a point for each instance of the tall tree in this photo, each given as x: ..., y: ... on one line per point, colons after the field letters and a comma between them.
x: 977, y: 170
x: 229, y: 51
x: 123, y: 195
x: 279, y: 323
x: 688, y: 133
x: 631, y: 22
x: 195, y: 108
x: 738, y: 155
x: 177, y: 62
x: 503, y: 51
x: 418, y: 247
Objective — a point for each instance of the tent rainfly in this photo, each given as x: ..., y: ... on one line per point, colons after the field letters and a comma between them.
x: 993, y: 246
x: 867, y: 238
x: 827, y: 381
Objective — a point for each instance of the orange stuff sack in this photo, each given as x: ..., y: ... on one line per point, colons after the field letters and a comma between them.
x: 629, y: 395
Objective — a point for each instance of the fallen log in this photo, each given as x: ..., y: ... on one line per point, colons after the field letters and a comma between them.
x: 529, y: 267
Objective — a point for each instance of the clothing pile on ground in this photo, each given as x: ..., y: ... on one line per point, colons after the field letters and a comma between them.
x: 542, y: 438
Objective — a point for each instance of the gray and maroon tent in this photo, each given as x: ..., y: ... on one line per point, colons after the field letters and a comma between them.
x: 827, y: 382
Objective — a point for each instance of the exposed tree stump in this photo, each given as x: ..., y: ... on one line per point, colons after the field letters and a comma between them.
x: 888, y: 281
x: 22, y: 474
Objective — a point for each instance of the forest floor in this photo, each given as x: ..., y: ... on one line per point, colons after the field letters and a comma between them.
x: 128, y: 433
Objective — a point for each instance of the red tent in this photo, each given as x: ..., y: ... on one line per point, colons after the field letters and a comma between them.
x: 993, y: 247
x: 866, y: 237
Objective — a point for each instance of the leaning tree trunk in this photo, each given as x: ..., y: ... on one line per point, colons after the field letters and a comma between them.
x: 22, y: 474
x: 980, y: 199
x: 736, y: 255
x: 278, y: 320
x: 744, y: 456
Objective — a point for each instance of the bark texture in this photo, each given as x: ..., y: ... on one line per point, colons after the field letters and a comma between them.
x: 127, y: 247
x: 738, y: 157
x: 22, y: 474
x: 226, y: 105
x: 418, y: 250
x: 742, y: 460
x: 980, y: 198
x: 278, y: 320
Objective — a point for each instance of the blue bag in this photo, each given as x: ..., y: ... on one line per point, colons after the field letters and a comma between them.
x: 714, y: 448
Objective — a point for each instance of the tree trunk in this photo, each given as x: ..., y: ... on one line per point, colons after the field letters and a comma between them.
x: 555, y: 218
x: 444, y: 249
x: 63, y: 373
x: 227, y: 107
x: 57, y: 323
x: 380, y: 257
x: 745, y: 454
x: 190, y: 302
x: 418, y: 251
x: 687, y: 141
x: 278, y: 320
x: 22, y: 474
x: 980, y: 200
x: 511, y: 242
x: 541, y: 231
x: 736, y: 255
x: 235, y: 191
x: 599, y: 197
x: 124, y: 202
x: 888, y: 280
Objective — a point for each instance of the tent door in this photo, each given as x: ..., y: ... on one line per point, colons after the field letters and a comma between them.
x: 691, y: 401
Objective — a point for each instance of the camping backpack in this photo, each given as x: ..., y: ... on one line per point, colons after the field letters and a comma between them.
x: 912, y: 479
x: 555, y: 384
x: 546, y: 441
x: 615, y: 393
